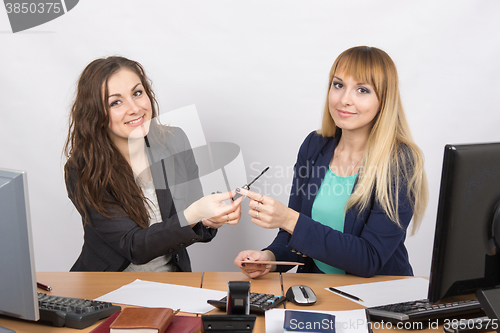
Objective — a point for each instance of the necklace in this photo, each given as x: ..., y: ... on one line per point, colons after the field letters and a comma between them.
x: 352, y: 170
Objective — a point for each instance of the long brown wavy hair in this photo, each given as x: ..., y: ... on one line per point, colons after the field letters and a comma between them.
x: 105, y: 181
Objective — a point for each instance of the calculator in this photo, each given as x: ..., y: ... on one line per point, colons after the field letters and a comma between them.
x: 259, y: 303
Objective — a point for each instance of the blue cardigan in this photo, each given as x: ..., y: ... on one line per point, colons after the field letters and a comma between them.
x: 371, y: 243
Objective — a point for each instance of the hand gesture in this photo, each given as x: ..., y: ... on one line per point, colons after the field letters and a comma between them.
x: 213, y: 211
x: 254, y: 270
x: 269, y: 213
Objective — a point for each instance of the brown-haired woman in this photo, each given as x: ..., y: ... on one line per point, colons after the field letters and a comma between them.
x: 134, y: 181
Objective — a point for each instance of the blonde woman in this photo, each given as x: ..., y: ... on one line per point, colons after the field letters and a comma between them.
x: 358, y: 181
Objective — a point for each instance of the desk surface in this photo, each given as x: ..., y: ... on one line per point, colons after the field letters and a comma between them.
x: 91, y: 285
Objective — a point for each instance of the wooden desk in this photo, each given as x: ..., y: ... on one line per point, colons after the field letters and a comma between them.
x: 95, y: 284
x: 92, y: 285
x: 327, y: 300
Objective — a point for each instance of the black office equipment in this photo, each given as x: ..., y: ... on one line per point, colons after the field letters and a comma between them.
x: 490, y: 300
x: 259, y: 302
x: 228, y: 323
x: 301, y: 295
x: 422, y: 311
x: 466, y: 255
x: 73, y: 312
x: 238, y: 298
x: 238, y: 318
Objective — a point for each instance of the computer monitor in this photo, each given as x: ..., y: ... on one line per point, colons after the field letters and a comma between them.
x: 465, y: 257
x: 18, y: 294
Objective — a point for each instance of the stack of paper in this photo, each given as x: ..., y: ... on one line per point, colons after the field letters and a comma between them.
x: 164, y: 295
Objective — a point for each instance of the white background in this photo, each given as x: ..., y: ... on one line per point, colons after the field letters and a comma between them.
x: 257, y: 72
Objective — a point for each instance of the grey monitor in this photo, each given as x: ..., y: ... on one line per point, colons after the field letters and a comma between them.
x: 18, y: 293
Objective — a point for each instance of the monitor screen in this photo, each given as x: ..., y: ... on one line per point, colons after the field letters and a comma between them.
x: 464, y: 258
x: 18, y: 294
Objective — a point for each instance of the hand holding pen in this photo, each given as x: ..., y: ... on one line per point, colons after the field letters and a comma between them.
x: 247, y: 186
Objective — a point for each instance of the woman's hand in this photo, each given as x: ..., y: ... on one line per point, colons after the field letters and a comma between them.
x: 211, y: 223
x: 254, y: 270
x: 218, y: 221
x: 269, y: 213
x: 213, y: 211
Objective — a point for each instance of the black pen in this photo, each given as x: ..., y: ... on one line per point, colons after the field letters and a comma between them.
x: 247, y: 186
x: 343, y: 293
x: 43, y: 286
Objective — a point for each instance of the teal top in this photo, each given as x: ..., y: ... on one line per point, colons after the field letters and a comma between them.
x: 329, y: 208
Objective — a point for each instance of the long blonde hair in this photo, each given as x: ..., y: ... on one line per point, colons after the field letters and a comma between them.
x: 391, y: 156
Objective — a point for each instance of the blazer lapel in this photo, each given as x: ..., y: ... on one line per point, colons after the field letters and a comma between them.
x: 319, y: 166
x: 160, y: 161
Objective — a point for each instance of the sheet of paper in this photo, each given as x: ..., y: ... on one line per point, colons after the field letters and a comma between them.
x: 154, y: 294
x: 264, y: 262
x: 353, y: 321
x: 387, y: 292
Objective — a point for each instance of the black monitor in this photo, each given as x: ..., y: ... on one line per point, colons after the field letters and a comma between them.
x: 466, y: 256
x: 18, y: 293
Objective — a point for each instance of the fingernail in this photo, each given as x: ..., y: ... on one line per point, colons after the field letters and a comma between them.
x: 268, y: 266
x: 243, y: 264
x: 248, y: 258
x: 238, y: 189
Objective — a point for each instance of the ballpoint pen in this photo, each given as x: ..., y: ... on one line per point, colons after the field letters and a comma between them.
x: 247, y: 186
x: 343, y: 293
x: 43, y: 286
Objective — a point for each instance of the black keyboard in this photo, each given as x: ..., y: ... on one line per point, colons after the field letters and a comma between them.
x: 259, y: 303
x: 421, y: 310
x: 73, y: 312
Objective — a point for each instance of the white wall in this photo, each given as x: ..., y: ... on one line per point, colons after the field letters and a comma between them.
x: 257, y: 73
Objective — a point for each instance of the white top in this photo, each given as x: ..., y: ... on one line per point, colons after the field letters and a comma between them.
x: 162, y: 263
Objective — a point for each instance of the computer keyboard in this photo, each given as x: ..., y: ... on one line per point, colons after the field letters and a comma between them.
x: 259, y: 302
x: 73, y: 312
x: 421, y: 310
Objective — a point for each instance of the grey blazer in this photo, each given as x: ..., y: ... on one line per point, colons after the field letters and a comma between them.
x: 112, y: 244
